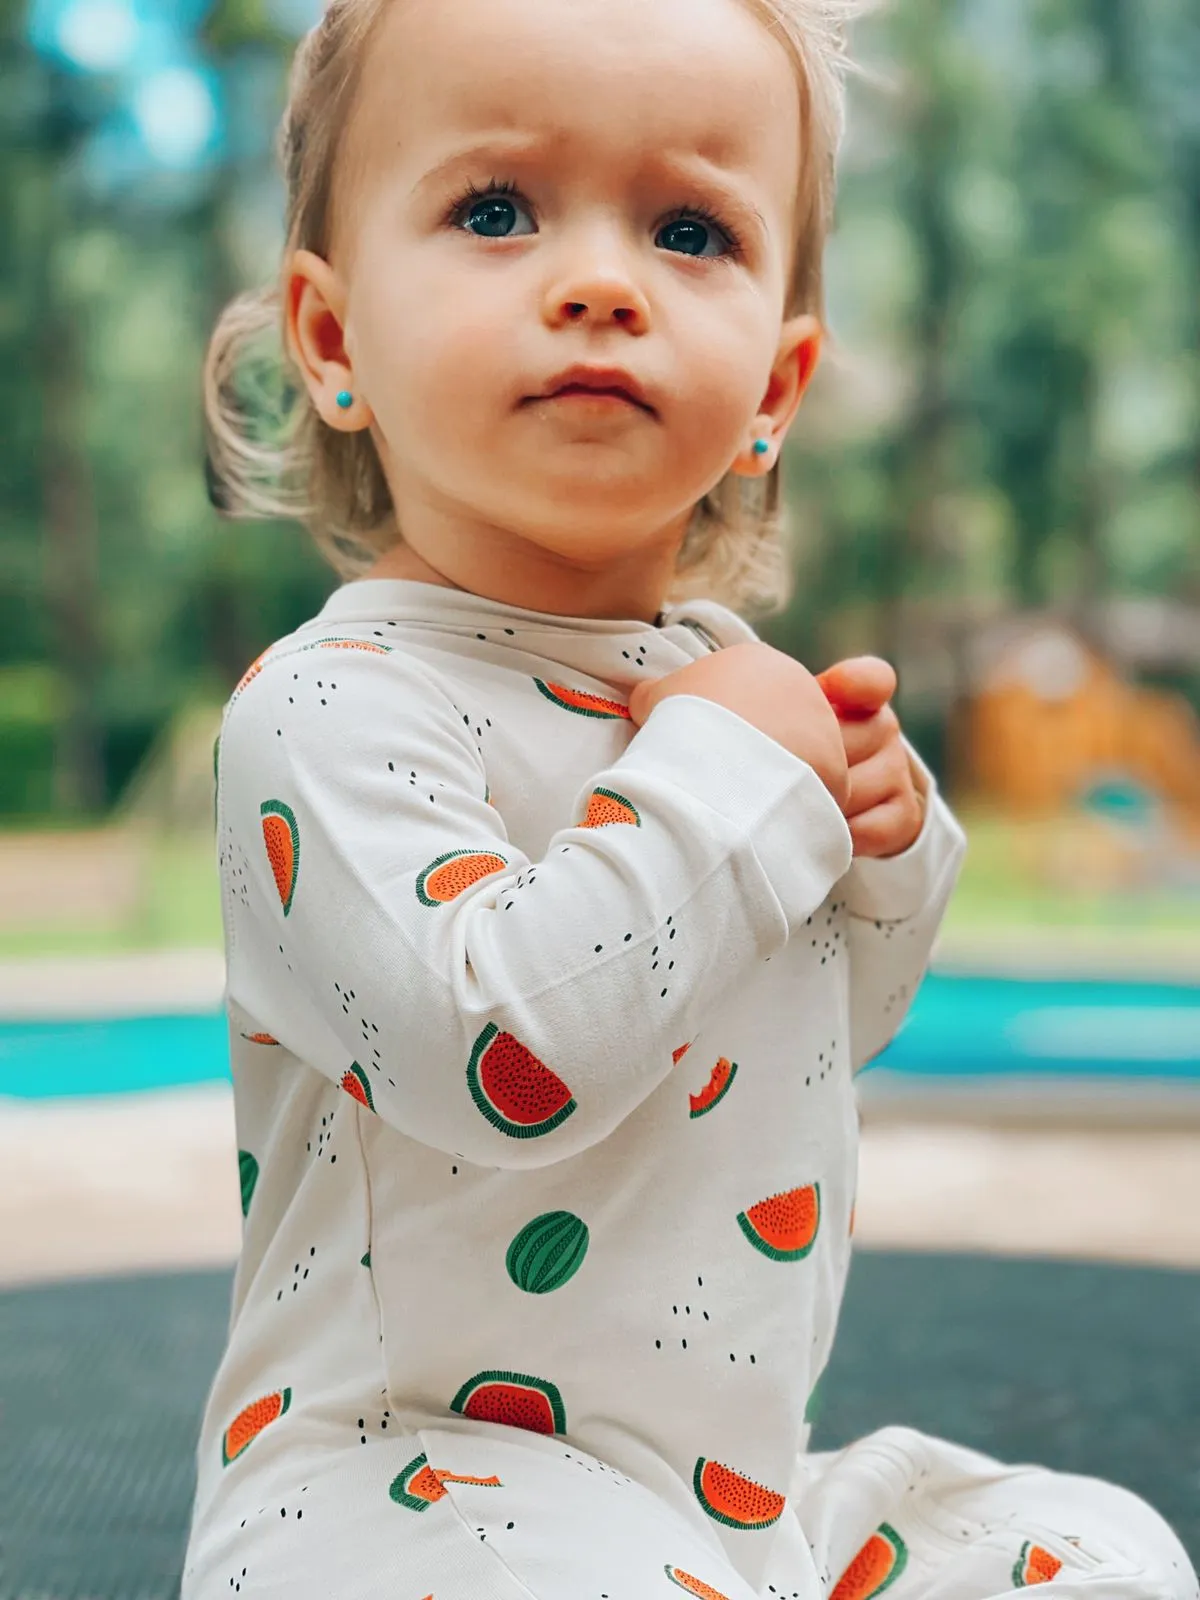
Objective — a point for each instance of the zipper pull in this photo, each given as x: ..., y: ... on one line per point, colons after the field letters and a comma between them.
x: 701, y: 632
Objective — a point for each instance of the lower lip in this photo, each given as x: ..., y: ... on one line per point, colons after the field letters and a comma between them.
x: 601, y: 399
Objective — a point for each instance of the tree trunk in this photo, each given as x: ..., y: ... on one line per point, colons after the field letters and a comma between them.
x: 70, y: 554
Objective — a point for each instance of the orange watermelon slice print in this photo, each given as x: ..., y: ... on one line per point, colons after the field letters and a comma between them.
x: 719, y: 1085
x: 1035, y: 1564
x: 875, y: 1568
x: 251, y: 1421
x: 419, y: 1485
x: 784, y: 1227
x: 514, y: 1399
x: 702, y: 1591
x: 678, y: 1055
x: 578, y: 700
x: 282, y: 839
x: 515, y: 1091
x: 732, y: 1500
x: 251, y: 672
x: 606, y: 807
x: 357, y: 1085
x: 450, y: 875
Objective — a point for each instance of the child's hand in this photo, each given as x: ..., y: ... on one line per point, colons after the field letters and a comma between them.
x: 886, y: 808
x: 771, y: 691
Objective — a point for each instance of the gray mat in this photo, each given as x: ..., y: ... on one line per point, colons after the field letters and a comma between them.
x: 1085, y: 1368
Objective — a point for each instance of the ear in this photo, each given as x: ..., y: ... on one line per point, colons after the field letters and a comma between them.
x: 795, y: 362
x: 315, y: 303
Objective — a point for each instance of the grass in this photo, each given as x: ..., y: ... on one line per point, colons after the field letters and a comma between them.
x: 1001, y: 888
x: 176, y: 904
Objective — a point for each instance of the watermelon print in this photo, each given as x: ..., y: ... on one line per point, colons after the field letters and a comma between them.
x: 450, y: 875
x: 366, y: 1259
x: 514, y: 1399
x: 1035, y: 1564
x: 784, y: 1227
x: 702, y: 1591
x: 732, y: 1500
x: 251, y: 1421
x: 419, y: 1485
x: 578, y: 700
x: 248, y: 677
x: 547, y: 1252
x: 357, y: 1086
x: 248, y: 1177
x: 260, y: 1038
x: 606, y: 807
x: 282, y: 839
x: 875, y: 1568
x: 678, y: 1055
x: 350, y: 644
x: 719, y: 1085
x: 517, y: 1093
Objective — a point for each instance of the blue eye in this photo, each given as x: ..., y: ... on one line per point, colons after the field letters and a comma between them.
x: 692, y: 235
x: 495, y: 216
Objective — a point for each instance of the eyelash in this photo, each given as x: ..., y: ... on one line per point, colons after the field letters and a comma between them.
x: 691, y: 213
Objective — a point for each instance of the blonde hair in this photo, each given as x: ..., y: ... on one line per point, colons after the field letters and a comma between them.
x: 271, y: 454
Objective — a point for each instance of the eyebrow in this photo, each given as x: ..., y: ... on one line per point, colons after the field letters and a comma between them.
x: 514, y: 147
x: 690, y: 170
x: 706, y: 174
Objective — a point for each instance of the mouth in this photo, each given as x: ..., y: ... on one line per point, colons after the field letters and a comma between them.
x: 579, y: 391
x: 603, y: 388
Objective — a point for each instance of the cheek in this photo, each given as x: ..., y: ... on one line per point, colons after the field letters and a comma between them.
x: 728, y: 361
x: 433, y: 356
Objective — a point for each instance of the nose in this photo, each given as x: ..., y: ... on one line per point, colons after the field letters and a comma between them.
x: 599, y: 292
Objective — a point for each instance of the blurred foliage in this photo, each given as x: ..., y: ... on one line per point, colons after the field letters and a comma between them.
x: 1010, y: 415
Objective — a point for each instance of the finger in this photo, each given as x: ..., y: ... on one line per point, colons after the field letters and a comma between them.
x: 876, y: 780
x: 859, y: 686
x: 865, y: 737
x: 886, y: 830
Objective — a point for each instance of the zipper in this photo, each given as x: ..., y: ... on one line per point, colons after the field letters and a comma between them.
x: 700, y: 631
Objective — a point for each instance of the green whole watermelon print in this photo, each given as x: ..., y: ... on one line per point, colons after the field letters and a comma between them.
x: 248, y: 1176
x: 547, y: 1252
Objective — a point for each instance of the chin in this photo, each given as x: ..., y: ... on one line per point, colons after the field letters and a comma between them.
x: 608, y: 523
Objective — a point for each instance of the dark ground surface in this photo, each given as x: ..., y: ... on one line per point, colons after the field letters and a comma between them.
x: 1085, y: 1368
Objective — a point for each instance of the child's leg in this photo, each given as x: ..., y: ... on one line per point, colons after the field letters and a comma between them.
x: 947, y: 1523
x: 463, y: 1512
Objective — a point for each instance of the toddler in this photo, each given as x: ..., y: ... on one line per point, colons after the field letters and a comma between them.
x: 560, y: 910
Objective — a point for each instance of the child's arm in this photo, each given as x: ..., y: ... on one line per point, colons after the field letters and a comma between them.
x: 518, y: 1021
x: 908, y: 852
x: 895, y: 906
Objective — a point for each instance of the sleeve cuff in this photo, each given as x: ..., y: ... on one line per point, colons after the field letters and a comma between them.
x: 775, y: 800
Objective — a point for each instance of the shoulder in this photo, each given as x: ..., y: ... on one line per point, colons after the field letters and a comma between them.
x: 331, y: 696
x: 329, y: 656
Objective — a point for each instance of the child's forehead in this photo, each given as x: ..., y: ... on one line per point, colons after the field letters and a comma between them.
x: 613, y: 79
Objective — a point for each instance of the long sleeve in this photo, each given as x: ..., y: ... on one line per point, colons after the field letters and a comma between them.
x: 895, y: 905
x: 383, y: 927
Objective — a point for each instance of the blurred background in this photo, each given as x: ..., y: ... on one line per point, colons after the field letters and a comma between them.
x: 995, y: 483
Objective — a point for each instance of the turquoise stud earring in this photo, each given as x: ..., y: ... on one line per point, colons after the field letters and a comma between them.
x: 345, y: 399
x: 761, y: 446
